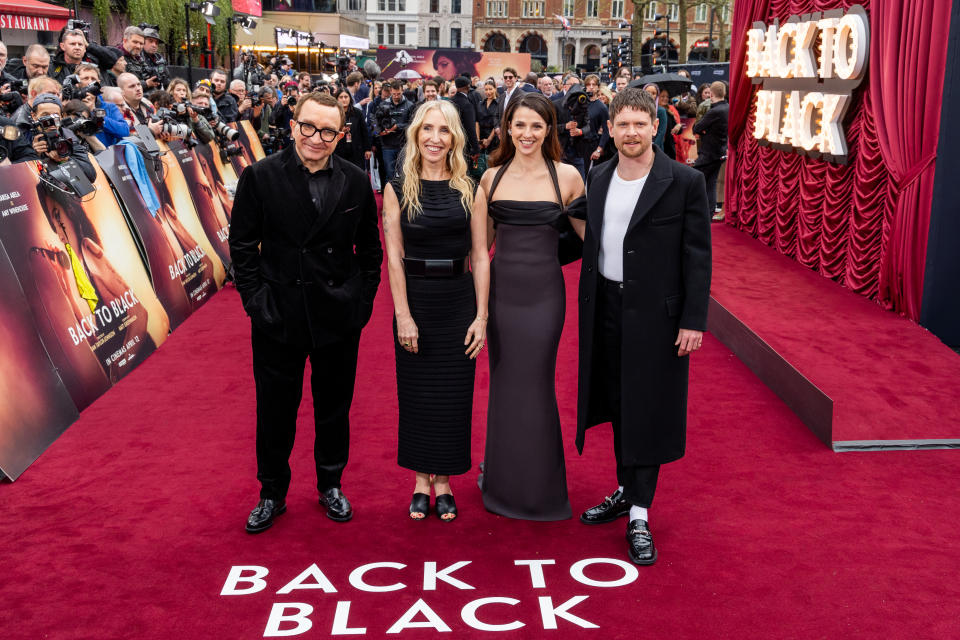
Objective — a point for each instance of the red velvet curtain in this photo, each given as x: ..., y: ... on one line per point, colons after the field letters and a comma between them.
x: 863, y: 224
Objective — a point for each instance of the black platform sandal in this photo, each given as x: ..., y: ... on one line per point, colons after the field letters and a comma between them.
x: 445, y: 504
x: 420, y: 504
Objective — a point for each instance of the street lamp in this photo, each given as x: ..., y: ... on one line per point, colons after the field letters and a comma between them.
x: 209, y: 11
x: 657, y: 18
x: 246, y: 23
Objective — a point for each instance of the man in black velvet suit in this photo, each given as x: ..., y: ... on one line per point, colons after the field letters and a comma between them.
x: 644, y: 291
x: 306, y: 253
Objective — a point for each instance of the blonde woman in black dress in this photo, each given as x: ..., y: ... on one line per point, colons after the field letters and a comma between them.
x: 439, y: 272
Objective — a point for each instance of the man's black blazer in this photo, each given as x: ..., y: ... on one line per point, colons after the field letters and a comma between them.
x: 305, y: 278
x: 468, y: 118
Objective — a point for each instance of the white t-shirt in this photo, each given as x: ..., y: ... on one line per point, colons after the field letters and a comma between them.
x: 622, y: 199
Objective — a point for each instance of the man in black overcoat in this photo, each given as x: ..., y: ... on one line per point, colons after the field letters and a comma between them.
x: 306, y: 253
x: 644, y: 290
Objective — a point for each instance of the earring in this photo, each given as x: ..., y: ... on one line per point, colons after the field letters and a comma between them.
x: 508, y: 132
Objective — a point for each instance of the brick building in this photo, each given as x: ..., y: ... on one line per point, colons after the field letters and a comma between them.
x: 531, y: 26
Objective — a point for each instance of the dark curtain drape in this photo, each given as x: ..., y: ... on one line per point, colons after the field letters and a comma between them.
x: 863, y: 224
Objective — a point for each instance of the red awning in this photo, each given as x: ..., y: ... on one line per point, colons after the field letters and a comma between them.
x: 32, y: 15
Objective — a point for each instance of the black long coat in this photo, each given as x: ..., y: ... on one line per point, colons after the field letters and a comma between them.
x: 305, y: 278
x: 666, y: 272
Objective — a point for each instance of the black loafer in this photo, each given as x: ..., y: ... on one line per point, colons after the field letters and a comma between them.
x: 609, y: 510
x: 338, y: 507
x: 261, y: 518
x: 640, y: 543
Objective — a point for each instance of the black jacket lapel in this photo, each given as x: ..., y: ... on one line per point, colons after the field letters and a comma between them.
x: 659, y: 178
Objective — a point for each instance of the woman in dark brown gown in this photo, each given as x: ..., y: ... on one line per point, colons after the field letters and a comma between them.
x: 526, y: 193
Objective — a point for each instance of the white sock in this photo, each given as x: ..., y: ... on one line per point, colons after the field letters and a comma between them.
x: 638, y: 513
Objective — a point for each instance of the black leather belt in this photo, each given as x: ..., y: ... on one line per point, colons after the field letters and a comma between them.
x: 435, y: 268
x: 610, y: 284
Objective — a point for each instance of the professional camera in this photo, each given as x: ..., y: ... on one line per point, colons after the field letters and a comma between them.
x: 49, y: 127
x: 224, y: 131
x: 86, y: 126
x: 384, y: 115
x: 73, y: 91
x: 206, y: 112
x: 254, y: 95
x: 19, y: 86
x: 79, y: 25
x: 230, y: 149
x: 578, y: 104
x: 176, y: 123
x: 10, y: 102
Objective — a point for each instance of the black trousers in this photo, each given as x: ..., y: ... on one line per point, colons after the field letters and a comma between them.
x: 278, y: 372
x: 710, y: 172
x: 639, y: 481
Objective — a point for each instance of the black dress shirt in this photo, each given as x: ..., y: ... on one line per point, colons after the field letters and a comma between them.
x: 317, y: 182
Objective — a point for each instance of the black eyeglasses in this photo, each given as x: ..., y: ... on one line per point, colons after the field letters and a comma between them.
x: 509, y: 77
x: 308, y: 130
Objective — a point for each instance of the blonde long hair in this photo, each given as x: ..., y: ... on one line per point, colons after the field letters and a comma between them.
x: 413, y: 161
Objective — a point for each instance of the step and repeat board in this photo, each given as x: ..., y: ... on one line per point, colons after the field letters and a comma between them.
x: 93, y: 285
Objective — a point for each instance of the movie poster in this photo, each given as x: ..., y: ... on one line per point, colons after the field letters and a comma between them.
x: 449, y: 63
x: 178, y: 255
x: 221, y: 176
x: 250, y: 140
x: 83, y: 280
x: 209, y: 208
x: 37, y: 407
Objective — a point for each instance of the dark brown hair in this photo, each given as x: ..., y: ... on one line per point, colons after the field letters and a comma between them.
x: 322, y: 98
x: 633, y: 98
x: 543, y: 108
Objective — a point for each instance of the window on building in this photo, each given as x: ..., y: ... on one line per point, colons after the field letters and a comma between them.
x: 380, y: 33
x: 651, y: 11
x: 674, y: 11
x: 433, y: 37
x: 496, y: 8
x: 455, y: 6
x: 591, y: 8
x: 434, y: 6
x: 702, y: 14
x: 532, y: 9
x: 616, y: 9
x: 568, y: 8
x: 725, y: 14
x: 401, y: 34
x: 381, y: 5
x: 353, y: 5
x: 391, y: 34
x: 455, y: 37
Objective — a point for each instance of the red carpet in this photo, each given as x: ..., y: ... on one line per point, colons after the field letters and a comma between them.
x: 889, y: 378
x: 129, y: 525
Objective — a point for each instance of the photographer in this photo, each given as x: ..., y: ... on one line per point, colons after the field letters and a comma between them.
x: 132, y: 50
x: 199, y: 113
x: 264, y: 122
x: 4, y: 76
x: 249, y: 106
x: 136, y: 110
x: 283, y: 114
x: 35, y: 62
x: 71, y: 51
x: 392, y: 118
x: 51, y: 144
x: 596, y: 136
x: 79, y: 112
x: 573, y: 125
x: 85, y: 86
x: 154, y: 64
x: 249, y: 70
x: 227, y: 108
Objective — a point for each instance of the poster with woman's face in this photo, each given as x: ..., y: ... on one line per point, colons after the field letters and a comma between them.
x: 37, y: 407
x: 222, y: 177
x: 450, y: 63
x: 166, y: 260
x: 209, y: 208
x: 180, y: 213
x: 85, y: 290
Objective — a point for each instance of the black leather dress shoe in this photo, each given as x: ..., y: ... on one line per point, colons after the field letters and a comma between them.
x: 640, y: 543
x: 338, y: 507
x: 609, y: 510
x: 261, y: 518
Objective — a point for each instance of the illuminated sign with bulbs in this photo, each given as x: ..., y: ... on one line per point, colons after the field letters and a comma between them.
x: 808, y: 68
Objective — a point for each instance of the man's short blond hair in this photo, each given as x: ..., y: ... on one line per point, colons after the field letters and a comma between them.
x: 718, y: 90
x: 43, y: 84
